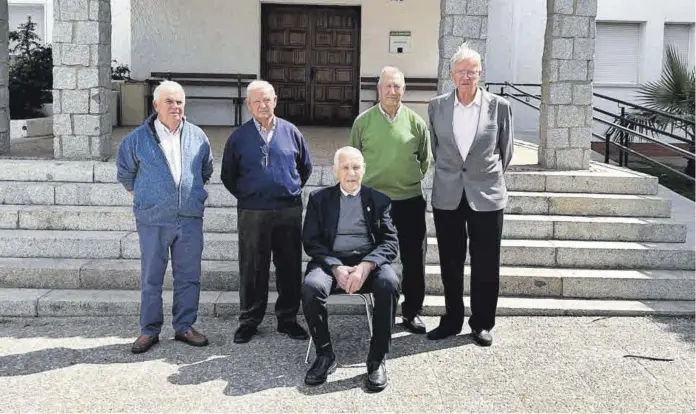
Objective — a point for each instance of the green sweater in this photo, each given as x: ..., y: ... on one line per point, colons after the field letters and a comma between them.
x: 397, y: 153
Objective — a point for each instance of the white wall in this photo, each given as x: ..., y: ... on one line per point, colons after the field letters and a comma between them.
x: 516, y: 39
x: 121, y: 31
x: 18, y: 10
x: 221, y: 36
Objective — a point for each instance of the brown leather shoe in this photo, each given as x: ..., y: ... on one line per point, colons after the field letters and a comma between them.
x: 143, y: 343
x: 192, y: 337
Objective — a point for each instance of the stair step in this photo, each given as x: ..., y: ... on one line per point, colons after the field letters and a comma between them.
x: 599, y: 178
x: 224, y: 246
x: 544, y: 203
x: 124, y: 274
x: 63, y: 303
x: 224, y: 220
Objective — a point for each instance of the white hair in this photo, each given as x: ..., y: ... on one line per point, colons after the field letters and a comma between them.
x: 465, y: 53
x: 347, y: 152
x: 392, y: 71
x: 259, y: 85
x: 167, y: 85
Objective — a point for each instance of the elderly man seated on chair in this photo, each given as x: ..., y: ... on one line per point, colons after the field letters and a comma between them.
x: 349, y: 236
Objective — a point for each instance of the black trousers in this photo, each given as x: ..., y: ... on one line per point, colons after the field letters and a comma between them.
x: 409, y: 219
x: 319, y: 284
x: 484, y: 230
x: 263, y: 233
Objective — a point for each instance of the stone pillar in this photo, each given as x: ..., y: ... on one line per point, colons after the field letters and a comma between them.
x: 565, y: 124
x: 460, y: 21
x: 81, y: 79
x: 4, y: 80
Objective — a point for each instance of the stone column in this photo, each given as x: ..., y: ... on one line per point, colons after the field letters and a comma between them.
x: 565, y: 124
x: 81, y: 79
x: 460, y: 21
x: 4, y: 80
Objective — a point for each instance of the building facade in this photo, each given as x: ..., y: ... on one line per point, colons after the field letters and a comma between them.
x: 318, y: 52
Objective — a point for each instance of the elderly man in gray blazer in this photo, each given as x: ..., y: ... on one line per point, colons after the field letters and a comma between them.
x: 471, y: 137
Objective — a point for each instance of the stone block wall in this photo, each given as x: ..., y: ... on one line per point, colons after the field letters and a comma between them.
x: 81, y: 79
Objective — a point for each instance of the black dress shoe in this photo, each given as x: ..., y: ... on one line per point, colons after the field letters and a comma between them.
x: 442, y: 332
x: 244, y: 334
x: 415, y: 324
x: 376, y: 376
x: 321, y: 368
x: 144, y: 343
x: 293, y: 330
x: 482, y: 337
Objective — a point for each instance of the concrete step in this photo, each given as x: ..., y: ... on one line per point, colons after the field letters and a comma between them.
x: 599, y: 178
x: 224, y: 220
x: 65, y: 303
x: 224, y: 246
x: 542, y: 203
x: 124, y: 274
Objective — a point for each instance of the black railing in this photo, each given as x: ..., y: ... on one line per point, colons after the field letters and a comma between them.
x: 514, y: 92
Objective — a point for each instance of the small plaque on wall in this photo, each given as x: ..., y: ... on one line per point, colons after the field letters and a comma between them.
x: 399, y: 41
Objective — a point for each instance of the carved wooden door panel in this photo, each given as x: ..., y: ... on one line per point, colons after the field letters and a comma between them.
x: 310, y: 55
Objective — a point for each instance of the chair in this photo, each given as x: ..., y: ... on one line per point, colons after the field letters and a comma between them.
x: 369, y: 307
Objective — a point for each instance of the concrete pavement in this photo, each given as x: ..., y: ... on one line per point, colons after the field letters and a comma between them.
x: 536, y: 364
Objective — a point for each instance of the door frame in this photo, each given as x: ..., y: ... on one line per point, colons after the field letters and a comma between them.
x: 269, y: 7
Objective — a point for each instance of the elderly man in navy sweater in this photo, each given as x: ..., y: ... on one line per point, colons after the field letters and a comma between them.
x: 164, y: 164
x: 265, y: 165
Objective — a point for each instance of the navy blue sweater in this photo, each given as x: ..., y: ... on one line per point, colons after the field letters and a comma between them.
x: 261, y: 182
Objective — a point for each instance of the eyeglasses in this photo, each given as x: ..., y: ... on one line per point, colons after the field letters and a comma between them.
x: 468, y: 73
x: 264, y: 151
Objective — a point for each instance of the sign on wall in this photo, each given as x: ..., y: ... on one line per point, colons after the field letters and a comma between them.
x: 399, y: 41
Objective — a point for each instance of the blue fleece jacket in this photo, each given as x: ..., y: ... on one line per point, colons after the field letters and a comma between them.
x: 142, y: 166
x: 266, y: 176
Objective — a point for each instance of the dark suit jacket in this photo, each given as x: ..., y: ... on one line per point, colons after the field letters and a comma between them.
x: 321, y: 224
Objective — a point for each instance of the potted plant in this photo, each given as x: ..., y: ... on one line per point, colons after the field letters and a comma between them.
x: 30, y: 83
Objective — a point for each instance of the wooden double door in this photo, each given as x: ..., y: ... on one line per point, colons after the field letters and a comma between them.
x: 310, y: 54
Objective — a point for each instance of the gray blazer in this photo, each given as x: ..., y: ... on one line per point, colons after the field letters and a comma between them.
x: 481, y: 175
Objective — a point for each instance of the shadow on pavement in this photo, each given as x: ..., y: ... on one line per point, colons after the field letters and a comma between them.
x: 270, y: 360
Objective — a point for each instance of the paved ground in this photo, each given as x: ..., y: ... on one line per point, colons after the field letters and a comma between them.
x: 536, y: 364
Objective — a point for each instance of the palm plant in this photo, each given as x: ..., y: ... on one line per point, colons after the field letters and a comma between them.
x: 672, y: 94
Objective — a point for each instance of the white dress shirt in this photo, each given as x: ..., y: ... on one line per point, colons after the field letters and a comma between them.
x: 266, y: 134
x: 346, y: 193
x: 170, y: 142
x: 465, y: 122
x: 386, y: 115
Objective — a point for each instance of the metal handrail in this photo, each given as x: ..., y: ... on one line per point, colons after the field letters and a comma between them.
x: 638, y: 154
x: 685, y: 153
x: 665, y: 133
x: 624, y: 149
x: 645, y: 108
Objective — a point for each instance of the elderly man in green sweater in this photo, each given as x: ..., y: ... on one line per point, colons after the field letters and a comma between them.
x: 395, y: 142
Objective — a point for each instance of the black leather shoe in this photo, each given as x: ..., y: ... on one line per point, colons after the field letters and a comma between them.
x: 376, y: 376
x: 414, y: 325
x: 482, y: 337
x: 321, y: 368
x: 293, y: 330
x: 442, y: 332
x: 244, y: 334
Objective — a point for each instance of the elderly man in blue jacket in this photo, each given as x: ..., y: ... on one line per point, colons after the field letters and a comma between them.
x: 164, y: 165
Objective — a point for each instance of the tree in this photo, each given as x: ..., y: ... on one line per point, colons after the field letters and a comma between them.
x: 31, y: 72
